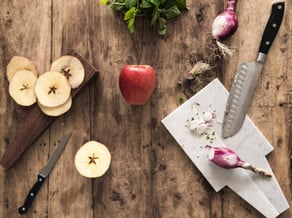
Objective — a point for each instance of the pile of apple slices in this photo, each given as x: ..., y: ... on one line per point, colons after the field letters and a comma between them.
x: 51, y: 90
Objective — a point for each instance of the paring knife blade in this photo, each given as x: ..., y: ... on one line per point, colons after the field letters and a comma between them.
x: 247, y: 74
x: 43, y: 174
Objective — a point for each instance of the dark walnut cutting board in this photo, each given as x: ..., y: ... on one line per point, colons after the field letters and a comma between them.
x: 34, y: 122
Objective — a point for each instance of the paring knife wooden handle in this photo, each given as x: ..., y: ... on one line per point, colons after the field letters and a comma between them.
x: 272, y: 27
x: 31, y: 195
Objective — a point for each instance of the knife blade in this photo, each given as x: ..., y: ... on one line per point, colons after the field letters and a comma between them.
x: 43, y: 174
x: 247, y: 74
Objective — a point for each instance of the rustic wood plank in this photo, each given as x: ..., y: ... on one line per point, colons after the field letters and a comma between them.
x: 246, y: 42
x: 20, y: 36
x: 267, y: 107
x: 177, y: 185
x: 70, y: 194
x: 150, y: 176
x: 284, y: 83
x: 3, y: 122
x: 126, y: 189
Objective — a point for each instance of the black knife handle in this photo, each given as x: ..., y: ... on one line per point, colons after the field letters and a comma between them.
x: 272, y: 27
x: 31, y: 195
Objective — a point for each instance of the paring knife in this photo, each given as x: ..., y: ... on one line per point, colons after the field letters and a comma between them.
x: 247, y: 74
x: 43, y: 174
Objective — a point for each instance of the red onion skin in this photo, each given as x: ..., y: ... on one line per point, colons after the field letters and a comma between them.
x: 228, y: 159
x: 226, y: 22
x: 225, y: 157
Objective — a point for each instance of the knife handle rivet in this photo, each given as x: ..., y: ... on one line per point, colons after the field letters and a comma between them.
x: 268, y: 42
x: 274, y: 25
x: 31, y: 194
x: 280, y: 7
x: 40, y: 179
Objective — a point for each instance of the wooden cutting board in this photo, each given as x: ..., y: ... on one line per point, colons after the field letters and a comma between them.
x: 34, y: 122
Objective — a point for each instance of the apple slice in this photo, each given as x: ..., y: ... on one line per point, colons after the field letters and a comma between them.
x: 58, y: 110
x: 52, y: 89
x: 92, y: 159
x: 71, y: 67
x: 21, y: 87
x: 17, y: 63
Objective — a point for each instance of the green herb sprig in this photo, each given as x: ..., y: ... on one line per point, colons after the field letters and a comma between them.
x: 158, y: 11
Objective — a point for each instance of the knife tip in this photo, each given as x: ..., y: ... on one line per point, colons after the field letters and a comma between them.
x: 227, y: 134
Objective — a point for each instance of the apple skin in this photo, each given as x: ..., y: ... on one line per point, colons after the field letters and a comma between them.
x: 137, y: 83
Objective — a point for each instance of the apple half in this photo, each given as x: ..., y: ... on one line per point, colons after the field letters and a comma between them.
x: 93, y: 159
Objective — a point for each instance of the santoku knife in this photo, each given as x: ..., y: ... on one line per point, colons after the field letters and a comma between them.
x: 247, y: 74
x: 43, y: 174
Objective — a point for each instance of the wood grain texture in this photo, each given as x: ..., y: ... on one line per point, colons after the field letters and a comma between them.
x: 150, y: 176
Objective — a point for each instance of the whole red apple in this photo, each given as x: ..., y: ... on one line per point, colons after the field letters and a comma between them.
x: 137, y: 83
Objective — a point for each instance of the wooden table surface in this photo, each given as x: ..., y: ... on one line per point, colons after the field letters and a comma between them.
x: 150, y: 176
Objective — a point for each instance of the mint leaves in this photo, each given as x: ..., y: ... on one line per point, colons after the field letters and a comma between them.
x: 130, y: 18
x: 158, y: 11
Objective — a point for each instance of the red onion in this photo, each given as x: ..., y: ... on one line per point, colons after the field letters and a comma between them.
x: 228, y: 159
x: 225, y: 24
